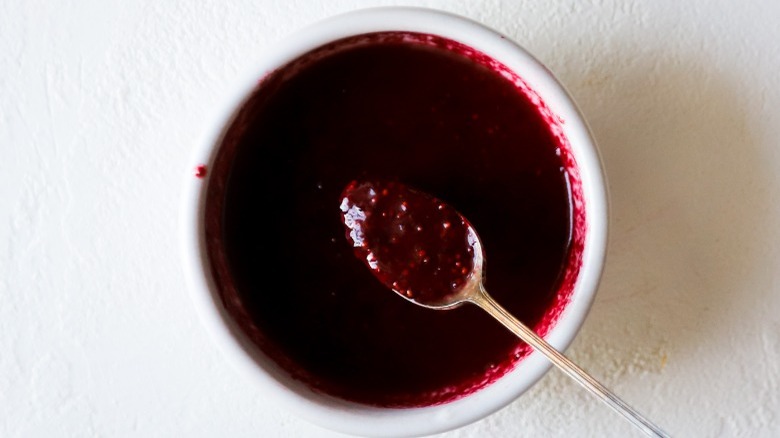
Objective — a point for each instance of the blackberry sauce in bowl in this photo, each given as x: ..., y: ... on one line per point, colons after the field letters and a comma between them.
x: 402, y: 107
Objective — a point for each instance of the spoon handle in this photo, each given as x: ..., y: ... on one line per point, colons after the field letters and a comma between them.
x: 487, y: 303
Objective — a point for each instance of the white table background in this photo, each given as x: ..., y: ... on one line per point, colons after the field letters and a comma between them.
x: 102, y: 103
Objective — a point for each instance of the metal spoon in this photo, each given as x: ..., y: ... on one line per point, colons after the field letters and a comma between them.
x: 393, y: 206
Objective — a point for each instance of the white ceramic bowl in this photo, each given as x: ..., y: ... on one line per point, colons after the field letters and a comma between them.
x: 367, y: 420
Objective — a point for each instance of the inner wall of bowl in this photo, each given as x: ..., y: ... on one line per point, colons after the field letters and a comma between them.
x: 348, y: 417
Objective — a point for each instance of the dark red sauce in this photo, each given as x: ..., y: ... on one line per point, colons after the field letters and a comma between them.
x: 200, y: 171
x: 411, y: 108
x: 415, y: 244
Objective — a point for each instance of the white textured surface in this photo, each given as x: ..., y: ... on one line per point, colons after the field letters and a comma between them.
x: 101, y: 103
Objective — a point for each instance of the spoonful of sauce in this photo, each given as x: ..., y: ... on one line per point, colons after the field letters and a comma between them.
x: 427, y: 252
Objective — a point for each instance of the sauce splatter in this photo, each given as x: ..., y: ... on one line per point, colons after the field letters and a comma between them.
x: 200, y: 171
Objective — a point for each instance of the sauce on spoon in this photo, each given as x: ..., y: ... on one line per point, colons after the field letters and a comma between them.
x: 415, y: 244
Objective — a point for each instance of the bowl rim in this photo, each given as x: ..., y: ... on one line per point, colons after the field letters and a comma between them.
x: 358, y: 419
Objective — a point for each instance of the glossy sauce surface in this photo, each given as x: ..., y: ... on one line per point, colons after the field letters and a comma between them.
x: 401, y: 107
